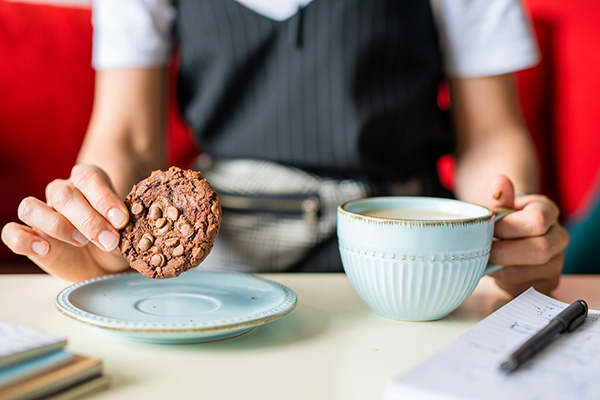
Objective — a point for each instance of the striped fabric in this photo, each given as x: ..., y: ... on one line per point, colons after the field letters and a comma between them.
x: 344, y: 88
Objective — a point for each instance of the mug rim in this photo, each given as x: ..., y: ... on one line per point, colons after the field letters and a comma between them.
x: 411, y: 221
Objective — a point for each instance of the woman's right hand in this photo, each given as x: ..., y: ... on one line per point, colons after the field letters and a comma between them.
x: 75, y: 233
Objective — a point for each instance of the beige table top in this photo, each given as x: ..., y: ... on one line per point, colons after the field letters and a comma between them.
x: 332, y: 346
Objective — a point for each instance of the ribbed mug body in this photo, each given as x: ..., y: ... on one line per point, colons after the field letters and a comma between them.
x: 412, y: 269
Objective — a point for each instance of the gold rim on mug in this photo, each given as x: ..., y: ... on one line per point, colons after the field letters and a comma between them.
x: 497, y: 212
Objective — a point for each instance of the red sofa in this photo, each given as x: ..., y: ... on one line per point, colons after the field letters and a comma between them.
x: 560, y: 98
x: 46, y: 93
x: 46, y: 90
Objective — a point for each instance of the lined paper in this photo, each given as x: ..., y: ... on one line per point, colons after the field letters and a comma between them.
x: 468, y: 368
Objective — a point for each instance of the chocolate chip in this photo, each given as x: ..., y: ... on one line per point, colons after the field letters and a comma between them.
x: 145, y: 244
x: 137, y: 208
x: 158, y: 260
x: 155, y: 211
x: 172, y: 242
x: 177, y: 251
x: 197, y: 252
x: 172, y: 213
x: 186, y: 229
x: 163, y: 225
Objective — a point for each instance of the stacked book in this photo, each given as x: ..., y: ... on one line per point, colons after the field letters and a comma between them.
x: 35, y: 364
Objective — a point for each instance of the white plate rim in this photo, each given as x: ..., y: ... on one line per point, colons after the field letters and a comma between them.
x: 68, y: 309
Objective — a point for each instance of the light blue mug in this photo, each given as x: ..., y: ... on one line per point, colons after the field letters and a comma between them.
x: 415, y: 258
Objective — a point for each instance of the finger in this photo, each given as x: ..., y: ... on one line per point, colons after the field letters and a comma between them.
x: 40, y: 216
x: 24, y: 240
x: 48, y: 253
x: 547, y: 286
x: 521, y: 274
x: 534, y: 250
x: 538, y: 200
x: 543, y: 286
x: 68, y: 201
x: 517, y: 279
x: 535, y: 216
x: 544, y: 278
x: 501, y: 193
x: 96, y: 187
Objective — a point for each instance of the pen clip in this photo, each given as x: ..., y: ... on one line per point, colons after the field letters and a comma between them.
x: 579, y: 320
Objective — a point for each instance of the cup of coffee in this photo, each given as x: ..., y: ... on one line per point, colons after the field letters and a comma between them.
x: 415, y: 258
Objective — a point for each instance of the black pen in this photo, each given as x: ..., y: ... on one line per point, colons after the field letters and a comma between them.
x: 566, y: 321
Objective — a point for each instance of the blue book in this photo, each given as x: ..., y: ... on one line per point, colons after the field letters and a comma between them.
x: 29, y: 369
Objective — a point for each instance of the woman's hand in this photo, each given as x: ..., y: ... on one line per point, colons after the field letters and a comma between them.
x: 74, y: 234
x: 529, y: 243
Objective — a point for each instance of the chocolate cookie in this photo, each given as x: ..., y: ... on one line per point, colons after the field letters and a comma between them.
x: 174, y: 221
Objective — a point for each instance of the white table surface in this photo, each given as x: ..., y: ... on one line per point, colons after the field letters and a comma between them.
x: 332, y: 346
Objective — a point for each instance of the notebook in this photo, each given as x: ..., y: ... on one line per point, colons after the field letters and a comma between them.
x: 20, y: 343
x: 28, y: 369
x: 468, y: 368
x: 75, y: 392
x: 80, y: 376
x: 35, y: 364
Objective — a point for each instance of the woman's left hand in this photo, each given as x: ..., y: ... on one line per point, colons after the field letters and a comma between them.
x: 529, y: 242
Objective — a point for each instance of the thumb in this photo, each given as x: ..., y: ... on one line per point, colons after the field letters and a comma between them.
x: 501, y: 193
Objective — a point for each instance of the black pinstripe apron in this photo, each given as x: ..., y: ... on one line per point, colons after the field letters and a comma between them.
x: 343, y: 89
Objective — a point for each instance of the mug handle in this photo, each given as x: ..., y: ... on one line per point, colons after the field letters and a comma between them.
x: 500, y: 212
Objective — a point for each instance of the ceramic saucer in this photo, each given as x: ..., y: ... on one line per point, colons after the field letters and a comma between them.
x: 197, y: 306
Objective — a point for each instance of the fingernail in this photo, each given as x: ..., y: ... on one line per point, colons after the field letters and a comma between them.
x: 117, y: 217
x: 79, y: 238
x: 108, y: 240
x: 40, y: 248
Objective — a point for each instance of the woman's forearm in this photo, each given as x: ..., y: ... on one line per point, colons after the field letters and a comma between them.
x: 491, y: 136
x: 507, y: 153
x: 126, y: 136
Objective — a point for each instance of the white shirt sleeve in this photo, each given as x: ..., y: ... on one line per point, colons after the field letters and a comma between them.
x: 477, y: 37
x: 131, y: 33
x: 484, y: 37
